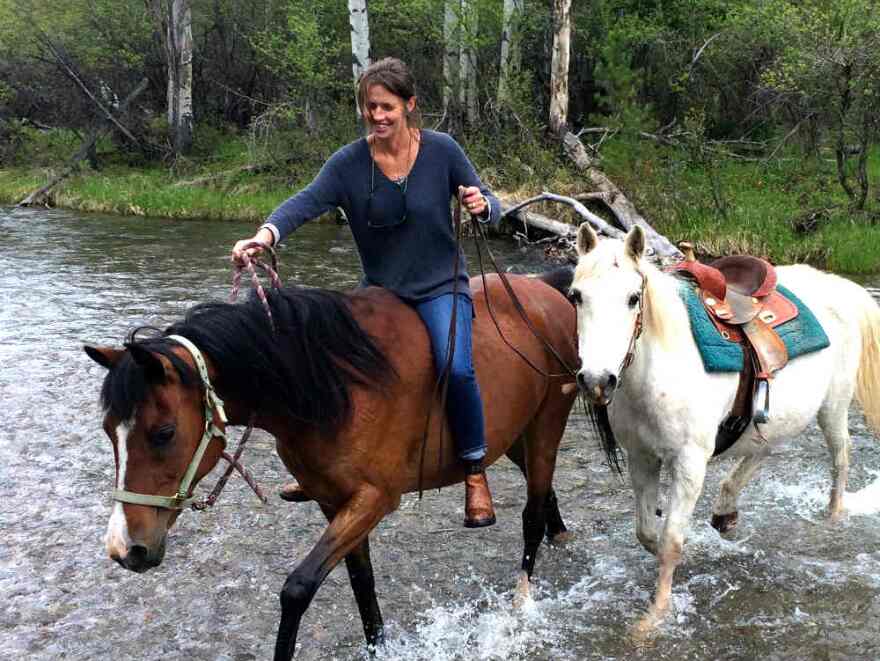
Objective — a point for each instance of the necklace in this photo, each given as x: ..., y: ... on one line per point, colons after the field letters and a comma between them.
x: 400, y: 180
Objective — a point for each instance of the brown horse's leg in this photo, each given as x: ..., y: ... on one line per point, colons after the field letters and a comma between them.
x: 556, y: 530
x: 542, y: 441
x: 346, y: 532
x: 363, y: 584
x: 360, y: 573
x: 555, y: 527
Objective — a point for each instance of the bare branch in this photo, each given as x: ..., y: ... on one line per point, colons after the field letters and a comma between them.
x: 559, y: 228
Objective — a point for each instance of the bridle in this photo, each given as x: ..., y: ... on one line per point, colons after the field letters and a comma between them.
x: 213, y: 405
x: 213, y: 408
x: 636, y: 334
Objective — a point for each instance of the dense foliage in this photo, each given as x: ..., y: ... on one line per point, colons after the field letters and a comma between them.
x: 687, y: 101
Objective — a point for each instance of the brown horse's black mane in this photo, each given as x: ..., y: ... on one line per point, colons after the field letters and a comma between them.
x: 559, y: 278
x: 304, y: 369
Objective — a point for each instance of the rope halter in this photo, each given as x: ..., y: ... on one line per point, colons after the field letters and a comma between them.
x: 212, y: 404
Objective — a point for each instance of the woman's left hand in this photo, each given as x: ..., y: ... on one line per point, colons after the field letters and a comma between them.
x: 472, y: 200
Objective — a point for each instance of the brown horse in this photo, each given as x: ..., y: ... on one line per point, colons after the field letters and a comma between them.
x: 344, y: 383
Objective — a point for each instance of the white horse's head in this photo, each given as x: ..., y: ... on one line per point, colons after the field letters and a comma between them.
x: 609, y: 290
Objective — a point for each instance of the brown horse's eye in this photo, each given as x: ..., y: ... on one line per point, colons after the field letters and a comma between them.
x: 162, y: 435
x: 575, y: 297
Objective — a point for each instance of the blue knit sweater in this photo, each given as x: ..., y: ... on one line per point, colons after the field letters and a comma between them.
x: 414, y: 259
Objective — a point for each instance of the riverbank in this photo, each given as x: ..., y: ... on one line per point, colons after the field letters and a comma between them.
x: 788, y: 209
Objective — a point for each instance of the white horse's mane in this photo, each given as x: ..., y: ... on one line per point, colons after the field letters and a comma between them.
x: 661, y: 300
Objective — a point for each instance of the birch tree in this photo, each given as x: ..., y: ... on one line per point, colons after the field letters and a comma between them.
x: 559, y: 65
x: 451, y: 46
x: 467, y: 63
x: 174, y: 19
x: 510, y: 46
x: 360, y: 42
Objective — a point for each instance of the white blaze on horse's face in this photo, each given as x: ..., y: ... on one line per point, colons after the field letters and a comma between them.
x: 117, y: 539
x: 607, y: 291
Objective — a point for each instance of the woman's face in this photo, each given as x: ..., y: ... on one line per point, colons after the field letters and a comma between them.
x: 386, y: 112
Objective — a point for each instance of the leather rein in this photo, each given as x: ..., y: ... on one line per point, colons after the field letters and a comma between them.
x: 442, y: 384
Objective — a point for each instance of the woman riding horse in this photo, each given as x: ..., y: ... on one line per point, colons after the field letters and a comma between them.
x: 326, y: 377
x: 395, y: 186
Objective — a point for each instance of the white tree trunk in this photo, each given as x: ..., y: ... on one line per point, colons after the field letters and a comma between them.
x: 559, y: 65
x: 467, y: 92
x: 180, y: 36
x: 174, y: 19
x: 510, y: 46
x: 451, y: 43
x: 358, y: 18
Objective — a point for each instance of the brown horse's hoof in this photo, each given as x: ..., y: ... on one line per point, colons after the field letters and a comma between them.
x: 724, y: 522
x: 483, y: 522
x: 478, y: 510
x: 293, y: 493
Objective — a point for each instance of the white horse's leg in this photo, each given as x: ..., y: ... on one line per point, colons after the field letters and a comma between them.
x: 688, y: 470
x: 833, y: 420
x: 644, y: 472
x: 725, y: 511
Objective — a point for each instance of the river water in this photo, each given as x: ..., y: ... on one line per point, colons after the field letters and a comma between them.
x: 787, y: 585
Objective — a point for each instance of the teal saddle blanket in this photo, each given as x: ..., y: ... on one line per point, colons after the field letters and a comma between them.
x: 801, y: 335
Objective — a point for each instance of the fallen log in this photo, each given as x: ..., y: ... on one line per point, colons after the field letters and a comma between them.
x: 624, y: 211
x: 560, y: 229
x: 73, y: 164
x: 63, y: 62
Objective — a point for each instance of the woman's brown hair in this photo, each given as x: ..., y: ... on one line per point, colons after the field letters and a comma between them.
x: 393, y: 75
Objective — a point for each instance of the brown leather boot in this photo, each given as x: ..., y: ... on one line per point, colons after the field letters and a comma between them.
x: 293, y: 493
x: 478, y: 510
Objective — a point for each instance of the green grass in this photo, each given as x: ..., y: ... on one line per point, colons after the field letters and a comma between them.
x: 146, y: 193
x: 763, y: 207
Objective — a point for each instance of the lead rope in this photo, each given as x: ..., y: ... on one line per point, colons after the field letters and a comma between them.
x: 250, y: 265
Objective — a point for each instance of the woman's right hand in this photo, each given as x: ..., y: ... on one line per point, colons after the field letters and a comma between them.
x: 241, y: 248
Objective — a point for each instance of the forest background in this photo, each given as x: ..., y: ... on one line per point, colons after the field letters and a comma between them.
x: 740, y: 125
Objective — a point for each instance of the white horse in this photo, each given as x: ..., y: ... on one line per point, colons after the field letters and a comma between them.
x: 664, y: 409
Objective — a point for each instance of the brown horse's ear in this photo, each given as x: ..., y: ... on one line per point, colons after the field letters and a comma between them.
x: 587, y: 239
x: 634, y: 244
x: 153, y: 368
x: 104, y: 356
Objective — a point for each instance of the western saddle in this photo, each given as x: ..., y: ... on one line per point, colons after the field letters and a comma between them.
x: 739, y: 293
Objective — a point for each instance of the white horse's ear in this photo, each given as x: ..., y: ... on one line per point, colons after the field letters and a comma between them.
x: 587, y: 239
x: 635, y: 243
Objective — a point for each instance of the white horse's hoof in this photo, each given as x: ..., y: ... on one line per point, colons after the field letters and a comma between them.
x: 523, y: 595
x: 643, y: 631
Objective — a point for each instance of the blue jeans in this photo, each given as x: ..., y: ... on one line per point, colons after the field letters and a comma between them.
x: 464, y: 407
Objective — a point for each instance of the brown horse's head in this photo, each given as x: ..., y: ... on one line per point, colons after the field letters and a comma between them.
x: 155, y: 396
x: 155, y: 417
